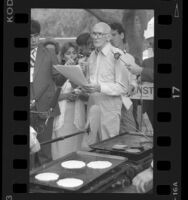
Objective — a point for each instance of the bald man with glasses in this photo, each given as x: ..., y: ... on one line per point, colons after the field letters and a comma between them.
x: 108, y: 80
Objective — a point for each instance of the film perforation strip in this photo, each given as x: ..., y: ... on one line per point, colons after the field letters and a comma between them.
x: 165, y: 19
x: 21, y: 42
x: 163, y: 190
x: 163, y: 165
x: 20, y: 91
x: 163, y: 141
x: 21, y: 67
x: 164, y: 92
x: 20, y: 115
x: 20, y: 139
x: 20, y: 164
x: 164, y: 68
x: 21, y: 18
x: 20, y: 188
x: 164, y: 43
x: 164, y: 117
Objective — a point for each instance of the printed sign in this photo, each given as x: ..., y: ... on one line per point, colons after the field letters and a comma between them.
x: 144, y: 91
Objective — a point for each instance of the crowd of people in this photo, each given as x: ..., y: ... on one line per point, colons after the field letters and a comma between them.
x: 103, y: 106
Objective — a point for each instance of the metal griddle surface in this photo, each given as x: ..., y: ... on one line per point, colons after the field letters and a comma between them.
x: 126, y: 139
x: 86, y: 174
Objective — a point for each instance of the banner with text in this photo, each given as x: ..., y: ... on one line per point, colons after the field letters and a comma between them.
x: 144, y: 91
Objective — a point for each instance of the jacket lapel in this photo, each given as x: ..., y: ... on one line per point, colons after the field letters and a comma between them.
x: 39, y: 60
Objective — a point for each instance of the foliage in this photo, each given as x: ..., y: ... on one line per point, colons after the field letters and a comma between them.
x: 67, y: 22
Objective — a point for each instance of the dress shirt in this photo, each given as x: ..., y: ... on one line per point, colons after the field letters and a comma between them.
x: 32, y: 63
x: 108, y: 72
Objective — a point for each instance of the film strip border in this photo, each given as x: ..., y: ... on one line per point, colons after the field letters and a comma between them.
x: 167, y: 180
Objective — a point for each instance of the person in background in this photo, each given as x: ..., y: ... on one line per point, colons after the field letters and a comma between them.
x: 106, y: 82
x: 128, y: 122
x: 143, y: 181
x: 146, y: 72
x: 85, y: 47
x: 69, y: 54
x: 72, y: 117
x: 43, y: 81
x: 85, y: 44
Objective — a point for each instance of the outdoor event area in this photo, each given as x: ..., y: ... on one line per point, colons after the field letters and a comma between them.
x: 91, y: 100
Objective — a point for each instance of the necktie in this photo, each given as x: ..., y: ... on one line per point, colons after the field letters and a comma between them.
x: 97, y: 51
x: 33, y: 57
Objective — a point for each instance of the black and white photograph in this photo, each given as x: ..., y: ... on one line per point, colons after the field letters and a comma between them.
x: 91, y: 100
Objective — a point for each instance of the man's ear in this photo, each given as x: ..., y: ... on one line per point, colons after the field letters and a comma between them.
x: 122, y: 36
x: 109, y: 37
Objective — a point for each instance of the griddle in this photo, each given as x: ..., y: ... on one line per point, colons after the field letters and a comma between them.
x: 91, y: 177
x: 132, y: 140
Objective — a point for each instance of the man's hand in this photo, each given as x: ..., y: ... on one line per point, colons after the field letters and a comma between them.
x: 131, y: 90
x: 35, y: 148
x: 143, y: 180
x: 135, y: 69
x: 34, y: 143
x: 72, y: 96
x: 91, y: 88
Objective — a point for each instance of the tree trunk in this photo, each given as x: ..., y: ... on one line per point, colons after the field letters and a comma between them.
x: 134, y: 23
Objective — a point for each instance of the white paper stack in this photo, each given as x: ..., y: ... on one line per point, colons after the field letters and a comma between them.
x: 73, y: 73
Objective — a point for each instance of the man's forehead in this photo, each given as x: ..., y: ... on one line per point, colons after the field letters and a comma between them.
x: 99, y: 28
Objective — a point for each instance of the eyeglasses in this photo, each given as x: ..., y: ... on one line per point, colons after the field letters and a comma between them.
x: 97, y: 34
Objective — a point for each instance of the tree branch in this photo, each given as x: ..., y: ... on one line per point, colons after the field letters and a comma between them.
x: 102, y: 16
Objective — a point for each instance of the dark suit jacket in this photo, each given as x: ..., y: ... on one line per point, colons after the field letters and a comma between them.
x: 45, y: 76
x: 147, y: 74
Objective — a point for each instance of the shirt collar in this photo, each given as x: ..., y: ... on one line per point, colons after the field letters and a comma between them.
x: 34, y: 49
x: 106, y: 49
x: 124, y: 51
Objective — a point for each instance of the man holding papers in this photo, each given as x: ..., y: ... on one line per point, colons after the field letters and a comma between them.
x: 108, y: 80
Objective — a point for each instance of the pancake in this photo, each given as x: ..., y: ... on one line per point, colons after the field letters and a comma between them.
x: 47, y: 176
x: 119, y: 146
x: 99, y: 164
x: 70, y: 182
x: 73, y: 164
x: 133, y: 150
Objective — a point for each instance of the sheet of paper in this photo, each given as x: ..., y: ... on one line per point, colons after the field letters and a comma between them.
x: 126, y: 102
x: 73, y: 73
